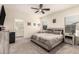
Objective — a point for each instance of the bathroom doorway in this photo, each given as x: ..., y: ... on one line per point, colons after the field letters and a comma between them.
x: 19, y: 27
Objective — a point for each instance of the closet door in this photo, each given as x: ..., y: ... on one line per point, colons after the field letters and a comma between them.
x: 19, y: 27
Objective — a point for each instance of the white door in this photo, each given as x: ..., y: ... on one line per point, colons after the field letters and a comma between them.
x: 19, y: 27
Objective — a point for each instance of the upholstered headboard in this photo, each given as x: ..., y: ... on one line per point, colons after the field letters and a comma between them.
x: 56, y: 30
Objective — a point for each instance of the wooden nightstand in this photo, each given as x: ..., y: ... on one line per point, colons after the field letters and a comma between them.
x: 69, y: 38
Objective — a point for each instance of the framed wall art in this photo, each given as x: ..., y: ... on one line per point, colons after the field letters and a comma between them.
x: 54, y: 20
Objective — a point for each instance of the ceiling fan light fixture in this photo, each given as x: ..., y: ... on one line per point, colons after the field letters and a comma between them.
x: 41, y: 9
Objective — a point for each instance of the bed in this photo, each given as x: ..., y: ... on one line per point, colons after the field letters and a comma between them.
x: 47, y: 39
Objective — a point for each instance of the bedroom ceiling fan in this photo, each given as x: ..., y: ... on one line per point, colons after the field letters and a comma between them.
x: 41, y: 9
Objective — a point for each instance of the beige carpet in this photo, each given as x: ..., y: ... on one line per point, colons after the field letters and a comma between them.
x: 25, y: 46
x: 66, y: 49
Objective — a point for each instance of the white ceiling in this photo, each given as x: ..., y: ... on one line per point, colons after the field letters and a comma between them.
x: 27, y: 8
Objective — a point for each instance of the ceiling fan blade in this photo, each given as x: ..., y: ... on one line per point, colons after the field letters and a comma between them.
x: 34, y: 8
x: 40, y: 6
x: 36, y: 11
x: 46, y: 9
x: 43, y: 12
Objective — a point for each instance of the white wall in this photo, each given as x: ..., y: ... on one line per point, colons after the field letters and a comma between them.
x: 69, y: 12
x: 60, y: 17
x: 11, y: 15
x: 46, y: 20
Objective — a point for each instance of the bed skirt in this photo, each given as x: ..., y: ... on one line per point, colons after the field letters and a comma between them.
x: 47, y: 48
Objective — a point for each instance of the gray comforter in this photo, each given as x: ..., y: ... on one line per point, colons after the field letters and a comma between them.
x: 47, y: 38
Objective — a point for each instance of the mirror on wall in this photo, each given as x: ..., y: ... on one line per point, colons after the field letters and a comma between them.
x: 71, y: 24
